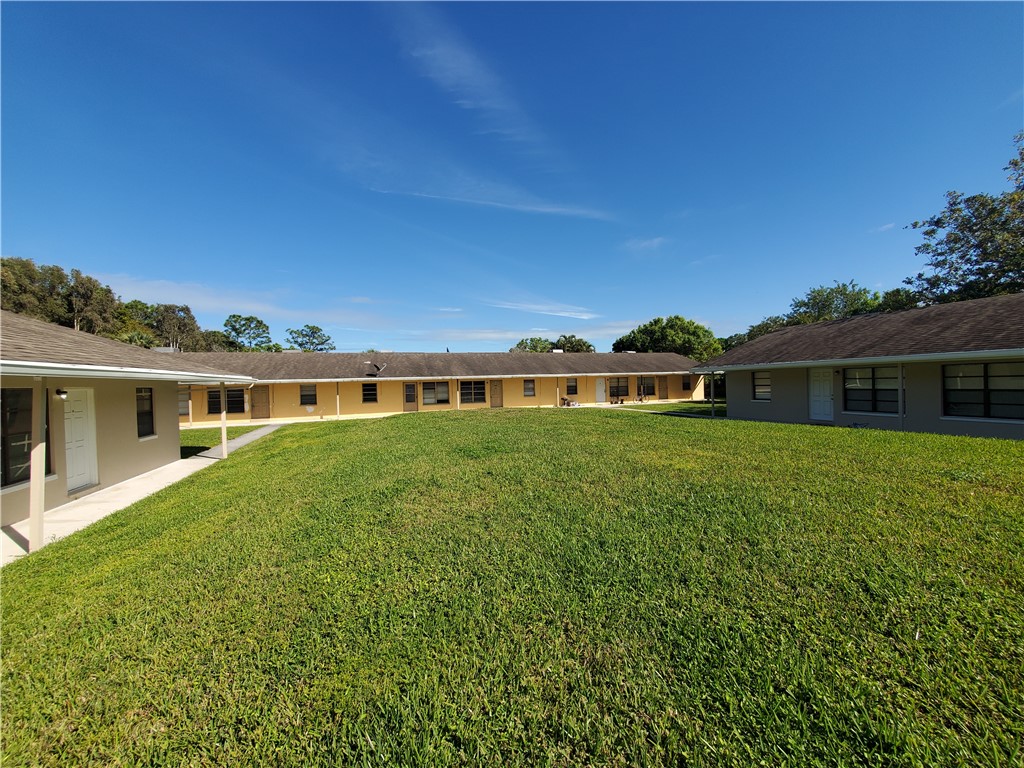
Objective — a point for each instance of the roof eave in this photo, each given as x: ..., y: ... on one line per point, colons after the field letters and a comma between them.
x: 430, y: 377
x: 933, y: 357
x: 36, y: 368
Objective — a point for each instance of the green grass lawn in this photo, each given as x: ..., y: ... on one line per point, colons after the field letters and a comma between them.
x: 691, y: 409
x: 537, y: 587
x: 195, y: 441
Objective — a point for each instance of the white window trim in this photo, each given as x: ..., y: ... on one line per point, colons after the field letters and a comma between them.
x: 24, y: 484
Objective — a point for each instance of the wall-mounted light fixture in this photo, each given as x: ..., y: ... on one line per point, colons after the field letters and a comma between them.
x: 62, y: 394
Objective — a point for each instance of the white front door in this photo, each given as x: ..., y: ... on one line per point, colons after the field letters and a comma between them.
x: 599, y: 396
x: 821, y: 394
x: 80, y: 439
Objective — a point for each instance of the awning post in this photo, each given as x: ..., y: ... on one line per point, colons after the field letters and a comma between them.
x: 223, y: 421
x: 37, y: 467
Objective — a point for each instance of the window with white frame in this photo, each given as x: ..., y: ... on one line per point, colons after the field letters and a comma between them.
x: 871, y: 389
x: 473, y: 391
x: 761, y: 385
x: 435, y: 392
x: 529, y: 388
x: 307, y: 394
x: 983, y: 390
x: 235, y: 400
x: 618, y: 386
x: 184, y: 396
x: 570, y: 387
x: 144, y: 411
x: 369, y: 392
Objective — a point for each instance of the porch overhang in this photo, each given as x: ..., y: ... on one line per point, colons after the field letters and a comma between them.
x: 36, y: 368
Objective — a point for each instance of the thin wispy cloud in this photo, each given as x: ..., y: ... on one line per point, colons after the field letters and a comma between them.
x: 1014, y: 98
x: 386, y: 157
x: 545, y: 308
x: 703, y: 260
x: 454, y: 65
x: 883, y: 228
x: 448, y: 309
x: 198, y: 297
x: 219, y: 302
x: 380, y: 151
x: 523, y: 204
x: 649, y: 244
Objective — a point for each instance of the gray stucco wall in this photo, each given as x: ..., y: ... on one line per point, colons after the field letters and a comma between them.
x: 922, y: 411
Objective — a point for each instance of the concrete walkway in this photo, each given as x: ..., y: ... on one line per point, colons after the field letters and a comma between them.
x: 75, y: 515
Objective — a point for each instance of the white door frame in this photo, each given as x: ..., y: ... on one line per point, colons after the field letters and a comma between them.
x: 80, y: 458
x: 820, y: 397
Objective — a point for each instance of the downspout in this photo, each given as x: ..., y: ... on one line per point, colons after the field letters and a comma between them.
x: 337, y: 399
x: 37, y: 466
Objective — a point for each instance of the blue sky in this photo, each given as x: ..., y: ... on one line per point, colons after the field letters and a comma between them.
x: 417, y: 177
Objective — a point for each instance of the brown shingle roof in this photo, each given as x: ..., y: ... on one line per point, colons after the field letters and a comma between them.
x: 330, y: 366
x: 978, y: 326
x: 27, y: 340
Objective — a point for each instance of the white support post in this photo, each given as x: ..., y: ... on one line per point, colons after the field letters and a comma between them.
x: 712, y: 394
x: 223, y: 421
x: 37, y: 467
x: 901, y: 404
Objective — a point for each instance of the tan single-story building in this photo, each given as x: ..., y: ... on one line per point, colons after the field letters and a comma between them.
x: 949, y: 368
x: 81, y: 413
x: 297, y: 386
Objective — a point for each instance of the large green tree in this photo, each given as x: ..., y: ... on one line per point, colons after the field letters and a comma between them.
x: 534, y: 344
x: 175, y: 326
x: 217, y: 341
x: 40, y: 292
x: 832, y: 302
x: 828, y: 302
x: 250, y: 332
x: 310, y: 338
x: 671, y: 334
x: 572, y: 343
x: 975, y: 246
x: 92, y: 306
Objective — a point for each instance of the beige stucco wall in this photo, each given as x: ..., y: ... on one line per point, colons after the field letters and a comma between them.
x: 922, y: 409
x: 120, y: 452
x: 345, y: 398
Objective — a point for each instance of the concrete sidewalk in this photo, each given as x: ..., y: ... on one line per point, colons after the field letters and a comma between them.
x: 75, y: 515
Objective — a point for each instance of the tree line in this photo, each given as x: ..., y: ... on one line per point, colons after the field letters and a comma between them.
x: 82, y: 302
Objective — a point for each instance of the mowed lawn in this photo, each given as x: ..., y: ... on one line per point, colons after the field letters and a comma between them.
x: 687, y: 409
x: 537, y: 587
x: 195, y: 441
